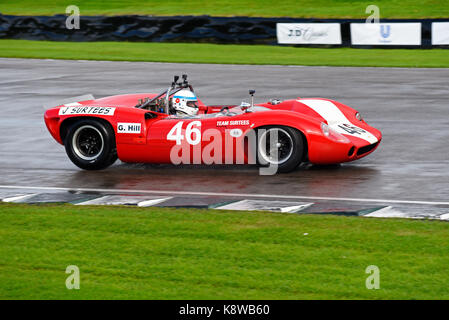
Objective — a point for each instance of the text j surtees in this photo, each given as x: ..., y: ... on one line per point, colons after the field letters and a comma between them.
x: 192, y: 310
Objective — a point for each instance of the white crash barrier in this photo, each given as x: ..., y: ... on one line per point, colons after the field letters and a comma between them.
x: 440, y: 33
x: 386, y: 34
x: 308, y: 33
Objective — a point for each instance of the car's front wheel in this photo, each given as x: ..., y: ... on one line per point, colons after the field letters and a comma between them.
x: 280, y: 146
x: 90, y: 144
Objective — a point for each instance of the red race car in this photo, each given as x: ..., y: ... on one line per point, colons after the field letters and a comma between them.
x: 175, y: 127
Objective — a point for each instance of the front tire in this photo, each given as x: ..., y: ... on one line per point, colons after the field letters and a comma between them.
x: 287, y: 153
x: 90, y: 144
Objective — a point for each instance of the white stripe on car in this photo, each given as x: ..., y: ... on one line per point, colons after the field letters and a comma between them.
x: 336, y: 119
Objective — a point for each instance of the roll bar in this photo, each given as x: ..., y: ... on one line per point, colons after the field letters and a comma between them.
x: 174, y: 87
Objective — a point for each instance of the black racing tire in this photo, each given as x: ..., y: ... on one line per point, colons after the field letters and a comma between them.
x: 90, y: 144
x: 290, y: 148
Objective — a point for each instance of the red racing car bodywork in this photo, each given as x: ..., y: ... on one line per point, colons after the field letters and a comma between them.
x: 319, y: 131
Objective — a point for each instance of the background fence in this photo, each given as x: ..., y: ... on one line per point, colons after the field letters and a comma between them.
x: 225, y: 30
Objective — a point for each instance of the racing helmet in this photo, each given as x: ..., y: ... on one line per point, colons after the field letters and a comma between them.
x: 185, y: 102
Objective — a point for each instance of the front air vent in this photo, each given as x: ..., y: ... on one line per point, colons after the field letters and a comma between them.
x: 367, y: 149
x: 351, y: 151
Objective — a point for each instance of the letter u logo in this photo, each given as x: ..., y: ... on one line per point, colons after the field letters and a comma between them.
x: 385, y: 31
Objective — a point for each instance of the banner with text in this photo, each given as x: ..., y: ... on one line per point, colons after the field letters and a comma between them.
x: 386, y: 34
x: 308, y: 33
x: 440, y: 33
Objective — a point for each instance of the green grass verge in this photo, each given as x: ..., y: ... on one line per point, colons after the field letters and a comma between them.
x: 260, y: 8
x: 156, y: 253
x: 234, y: 54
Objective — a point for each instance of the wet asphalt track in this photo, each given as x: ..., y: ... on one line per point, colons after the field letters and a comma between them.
x: 409, y: 106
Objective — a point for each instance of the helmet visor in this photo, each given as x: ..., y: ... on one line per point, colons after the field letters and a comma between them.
x: 192, y: 104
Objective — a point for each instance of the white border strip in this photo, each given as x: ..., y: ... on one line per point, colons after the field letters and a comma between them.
x: 444, y: 216
x: 224, y: 194
x: 18, y: 198
x: 152, y: 202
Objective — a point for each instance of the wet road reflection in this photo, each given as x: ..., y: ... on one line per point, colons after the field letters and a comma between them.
x: 408, y: 105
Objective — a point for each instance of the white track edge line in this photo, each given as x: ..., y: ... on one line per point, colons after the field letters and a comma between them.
x: 224, y: 194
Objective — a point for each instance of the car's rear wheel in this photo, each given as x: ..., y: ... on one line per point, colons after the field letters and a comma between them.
x: 90, y: 144
x: 280, y: 146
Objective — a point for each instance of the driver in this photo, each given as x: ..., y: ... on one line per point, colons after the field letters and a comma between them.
x: 185, y: 103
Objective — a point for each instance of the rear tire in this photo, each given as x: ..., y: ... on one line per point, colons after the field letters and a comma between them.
x: 287, y: 154
x: 90, y: 144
